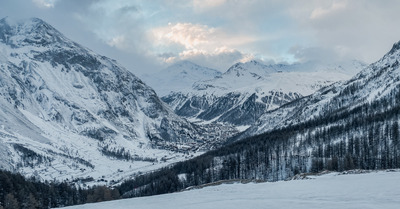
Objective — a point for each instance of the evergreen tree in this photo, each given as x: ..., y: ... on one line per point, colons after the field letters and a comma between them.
x: 10, y: 202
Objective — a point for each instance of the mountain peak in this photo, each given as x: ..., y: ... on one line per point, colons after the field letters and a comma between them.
x: 252, y: 66
x: 248, y: 63
x: 52, y: 86
x: 3, y: 20
x: 180, y: 76
x: 396, y: 47
x: 29, y: 31
x: 184, y: 64
x: 254, y: 62
x: 33, y: 22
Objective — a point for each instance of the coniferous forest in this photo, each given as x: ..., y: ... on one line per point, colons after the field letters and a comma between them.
x: 18, y: 192
x: 166, y: 97
x: 365, y: 137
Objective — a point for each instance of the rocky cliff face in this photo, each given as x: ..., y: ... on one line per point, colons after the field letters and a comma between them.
x: 377, y: 84
x: 66, y: 106
x: 245, y: 91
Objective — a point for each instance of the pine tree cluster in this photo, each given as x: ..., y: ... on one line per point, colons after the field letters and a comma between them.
x: 17, y: 192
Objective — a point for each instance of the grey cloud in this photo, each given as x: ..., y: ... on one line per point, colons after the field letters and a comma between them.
x: 362, y: 29
x: 129, y: 9
x: 314, y: 54
x: 167, y: 55
x: 220, y: 61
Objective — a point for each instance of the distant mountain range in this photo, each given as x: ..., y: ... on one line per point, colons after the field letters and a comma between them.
x: 69, y: 114
x: 348, y: 125
x: 245, y: 91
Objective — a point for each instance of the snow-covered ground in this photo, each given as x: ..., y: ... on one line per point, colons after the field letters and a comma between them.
x: 369, y: 190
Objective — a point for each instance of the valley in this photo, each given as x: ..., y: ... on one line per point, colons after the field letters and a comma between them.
x: 201, y: 114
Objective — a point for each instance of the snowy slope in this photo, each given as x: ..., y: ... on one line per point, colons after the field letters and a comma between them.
x: 373, y: 83
x: 179, y: 76
x: 350, y: 67
x: 66, y: 112
x: 247, y: 90
x: 369, y: 190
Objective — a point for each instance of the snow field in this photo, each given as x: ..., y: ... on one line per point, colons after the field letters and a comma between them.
x: 330, y: 191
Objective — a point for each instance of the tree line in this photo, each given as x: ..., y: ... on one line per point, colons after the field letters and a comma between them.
x: 17, y: 192
x: 363, y: 137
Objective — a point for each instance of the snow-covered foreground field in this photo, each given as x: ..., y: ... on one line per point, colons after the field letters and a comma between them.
x: 371, y: 190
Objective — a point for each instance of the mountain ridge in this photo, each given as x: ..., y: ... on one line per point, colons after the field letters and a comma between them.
x: 67, y: 112
x: 331, y: 94
x: 179, y: 76
x: 246, y: 90
x: 347, y: 125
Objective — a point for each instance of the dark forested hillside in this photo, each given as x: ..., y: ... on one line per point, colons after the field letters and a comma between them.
x: 366, y: 137
x: 349, y: 125
x: 353, y: 125
x: 16, y: 192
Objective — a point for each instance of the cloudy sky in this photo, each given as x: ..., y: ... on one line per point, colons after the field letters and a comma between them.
x: 145, y: 35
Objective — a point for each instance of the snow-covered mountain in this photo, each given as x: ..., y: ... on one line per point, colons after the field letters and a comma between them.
x: 352, y: 124
x: 377, y: 83
x: 247, y: 90
x: 179, y: 76
x: 67, y: 112
x: 350, y: 67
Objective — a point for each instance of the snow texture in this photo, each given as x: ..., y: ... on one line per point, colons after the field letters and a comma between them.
x: 329, y: 191
x: 246, y: 90
x: 67, y: 113
x: 372, y: 83
x: 178, y: 77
